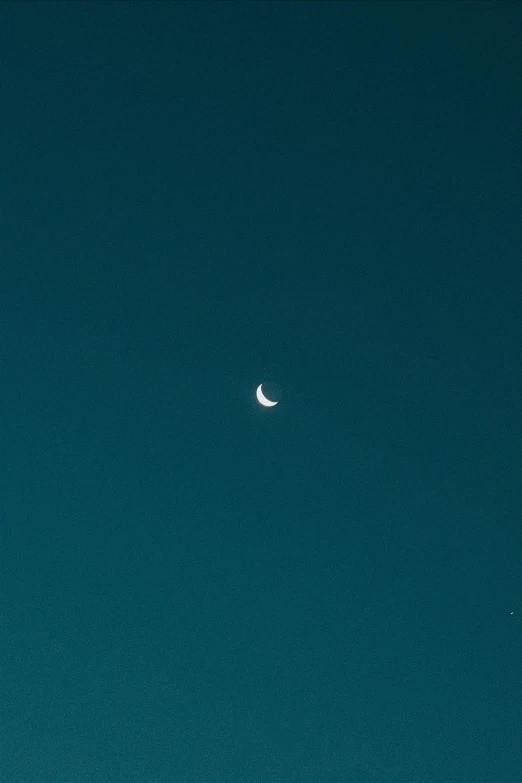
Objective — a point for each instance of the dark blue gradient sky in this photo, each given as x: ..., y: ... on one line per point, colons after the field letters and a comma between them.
x: 197, y: 197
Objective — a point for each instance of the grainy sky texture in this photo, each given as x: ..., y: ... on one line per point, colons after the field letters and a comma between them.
x: 196, y: 198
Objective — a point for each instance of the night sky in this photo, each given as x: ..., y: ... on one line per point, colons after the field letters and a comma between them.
x: 197, y: 198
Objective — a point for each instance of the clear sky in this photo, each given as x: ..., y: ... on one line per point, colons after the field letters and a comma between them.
x: 197, y: 198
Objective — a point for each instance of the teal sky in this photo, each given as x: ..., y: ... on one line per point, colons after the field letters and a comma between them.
x: 197, y: 198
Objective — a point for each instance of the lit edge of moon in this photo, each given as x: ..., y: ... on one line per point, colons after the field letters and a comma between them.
x: 264, y: 400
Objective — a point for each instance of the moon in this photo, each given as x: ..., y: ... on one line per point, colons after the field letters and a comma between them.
x: 264, y: 400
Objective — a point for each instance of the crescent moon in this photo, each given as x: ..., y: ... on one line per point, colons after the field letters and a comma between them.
x: 262, y: 399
